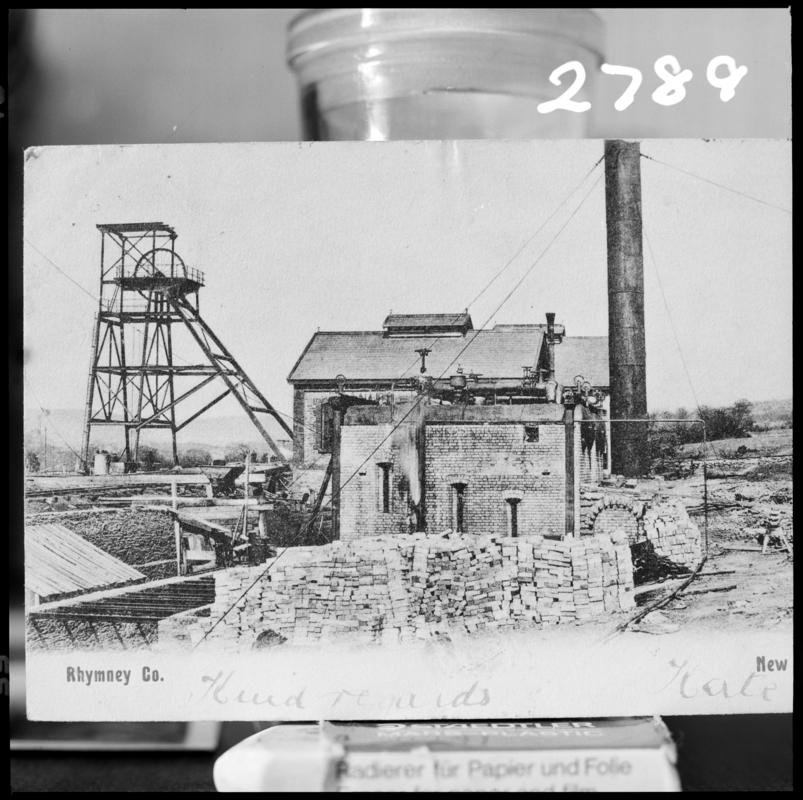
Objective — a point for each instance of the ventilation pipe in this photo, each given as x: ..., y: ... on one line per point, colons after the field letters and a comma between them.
x: 550, y: 341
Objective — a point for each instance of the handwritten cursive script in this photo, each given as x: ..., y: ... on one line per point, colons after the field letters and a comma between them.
x: 691, y: 685
x: 224, y: 688
x: 473, y: 696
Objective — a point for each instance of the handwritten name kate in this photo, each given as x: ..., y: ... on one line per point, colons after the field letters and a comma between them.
x: 690, y: 686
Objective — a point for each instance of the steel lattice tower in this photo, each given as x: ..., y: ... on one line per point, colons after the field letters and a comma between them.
x: 145, y: 290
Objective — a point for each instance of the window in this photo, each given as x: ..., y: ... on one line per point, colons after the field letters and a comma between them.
x: 325, y: 420
x: 384, y: 478
x: 530, y: 433
x: 459, y: 507
x: 512, y: 515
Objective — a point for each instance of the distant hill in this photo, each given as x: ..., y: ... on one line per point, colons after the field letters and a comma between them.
x: 773, y: 413
x: 65, y: 428
x: 766, y: 413
x: 217, y: 433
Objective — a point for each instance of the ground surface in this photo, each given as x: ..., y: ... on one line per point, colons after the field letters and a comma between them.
x: 738, y: 587
x: 751, y: 590
x: 777, y: 442
x: 757, y: 594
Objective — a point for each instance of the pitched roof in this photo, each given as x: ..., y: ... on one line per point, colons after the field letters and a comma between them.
x: 497, y: 353
x: 582, y: 355
x: 500, y: 352
x: 58, y: 561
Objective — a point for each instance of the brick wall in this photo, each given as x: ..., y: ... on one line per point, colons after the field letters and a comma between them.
x: 617, y: 518
x: 299, y: 430
x: 305, y: 424
x: 595, y: 499
x: 361, y: 507
x: 412, y: 586
x: 306, y: 450
x: 642, y: 513
x: 495, y: 462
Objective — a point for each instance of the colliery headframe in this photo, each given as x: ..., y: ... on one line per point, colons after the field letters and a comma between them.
x: 135, y: 378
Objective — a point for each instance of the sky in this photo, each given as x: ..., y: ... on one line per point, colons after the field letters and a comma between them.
x: 295, y: 237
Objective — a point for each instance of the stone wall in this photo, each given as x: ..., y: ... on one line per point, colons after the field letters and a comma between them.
x: 411, y: 586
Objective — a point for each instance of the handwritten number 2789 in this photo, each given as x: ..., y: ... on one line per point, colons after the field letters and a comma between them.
x: 670, y: 92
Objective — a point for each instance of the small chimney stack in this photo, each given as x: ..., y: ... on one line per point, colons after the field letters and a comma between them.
x: 550, y: 340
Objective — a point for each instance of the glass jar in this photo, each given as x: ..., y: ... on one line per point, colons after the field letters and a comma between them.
x: 433, y: 73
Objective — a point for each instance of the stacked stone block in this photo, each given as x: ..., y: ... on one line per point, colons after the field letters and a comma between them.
x: 673, y: 534
x: 642, y: 514
x: 185, y: 629
x: 401, y: 588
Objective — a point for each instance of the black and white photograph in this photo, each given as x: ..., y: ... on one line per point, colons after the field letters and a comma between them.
x: 401, y: 399
x: 354, y: 415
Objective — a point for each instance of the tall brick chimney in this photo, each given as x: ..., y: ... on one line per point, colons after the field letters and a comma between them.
x: 629, y: 442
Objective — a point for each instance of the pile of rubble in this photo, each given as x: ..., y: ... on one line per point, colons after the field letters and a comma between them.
x: 738, y: 511
x: 413, y: 586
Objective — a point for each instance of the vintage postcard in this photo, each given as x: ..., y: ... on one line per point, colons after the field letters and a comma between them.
x: 411, y: 430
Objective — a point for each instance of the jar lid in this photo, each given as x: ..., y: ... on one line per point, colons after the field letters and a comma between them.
x: 320, y: 31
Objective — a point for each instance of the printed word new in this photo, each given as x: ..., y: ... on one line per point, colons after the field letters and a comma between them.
x: 764, y: 664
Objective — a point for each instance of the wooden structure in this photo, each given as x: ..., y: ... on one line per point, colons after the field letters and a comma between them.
x: 59, y: 563
x: 132, y: 613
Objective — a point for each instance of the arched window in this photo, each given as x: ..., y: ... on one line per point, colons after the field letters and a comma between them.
x: 512, y: 515
x: 384, y: 486
x: 459, y: 507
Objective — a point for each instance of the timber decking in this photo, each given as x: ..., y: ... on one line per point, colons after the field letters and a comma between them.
x: 58, y: 561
